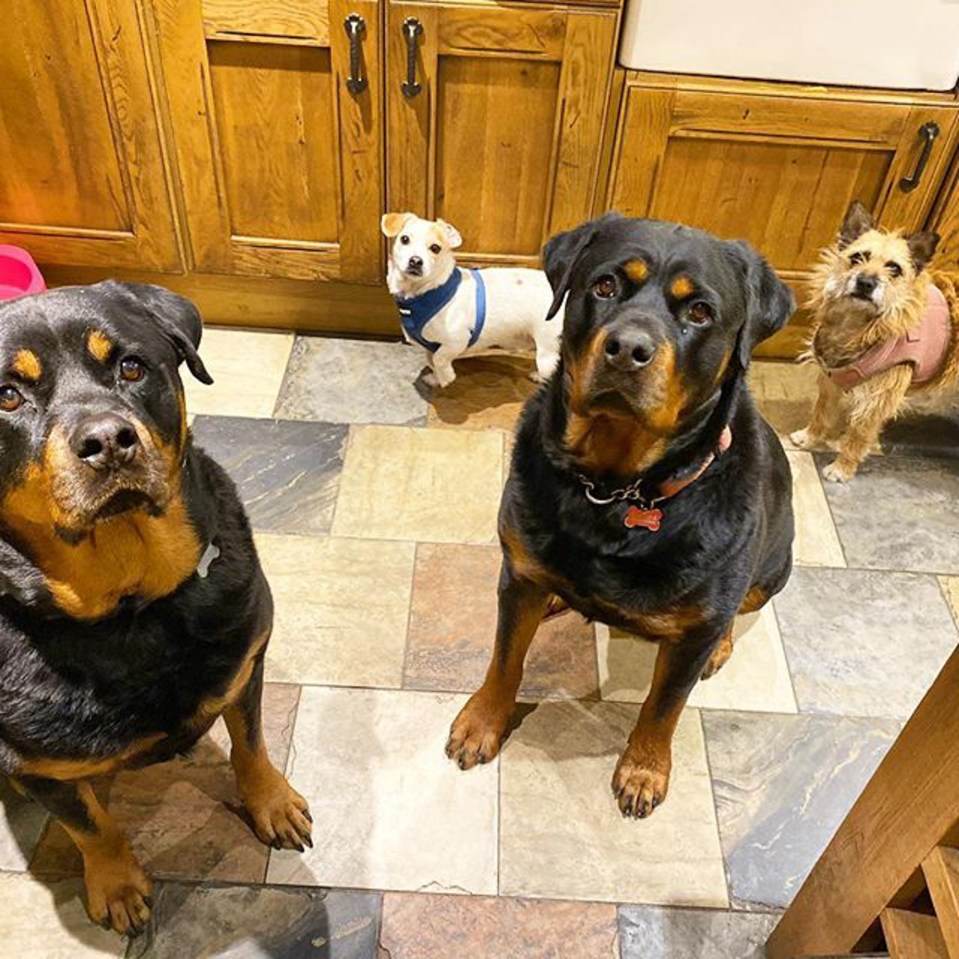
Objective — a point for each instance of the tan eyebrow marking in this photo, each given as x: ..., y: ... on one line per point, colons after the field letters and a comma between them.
x: 637, y: 270
x: 27, y: 365
x: 681, y: 287
x: 99, y: 345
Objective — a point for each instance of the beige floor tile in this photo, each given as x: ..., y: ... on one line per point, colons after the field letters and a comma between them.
x: 562, y: 834
x: 341, y: 608
x: 489, y: 393
x: 785, y: 394
x: 183, y: 818
x: 817, y: 542
x: 390, y: 810
x: 247, y: 369
x: 47, y: 921
x: 440, y: 486
x: 755, y: 678
x: 21, y: 824
x: 950, y: 589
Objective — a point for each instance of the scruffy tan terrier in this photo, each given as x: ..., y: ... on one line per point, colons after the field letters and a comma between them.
x: 885, y: 335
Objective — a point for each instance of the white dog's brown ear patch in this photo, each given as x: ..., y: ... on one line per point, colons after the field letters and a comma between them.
x: 392, y: 223
x: 451, y: 233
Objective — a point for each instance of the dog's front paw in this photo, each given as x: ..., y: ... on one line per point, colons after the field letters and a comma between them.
x: 838, y: 472
x: 640, y: 782
x: 118, y: 890
x: 802, y: 439
x: 478, y: 731
x: 281, y: 816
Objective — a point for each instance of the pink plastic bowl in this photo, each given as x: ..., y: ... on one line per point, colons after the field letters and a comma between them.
x: 18, y: 273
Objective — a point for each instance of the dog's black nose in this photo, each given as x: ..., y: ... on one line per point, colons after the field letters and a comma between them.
x: 866, y: 284
x: 105, y: 440
x: 416, y: 262
x: 629, y: 349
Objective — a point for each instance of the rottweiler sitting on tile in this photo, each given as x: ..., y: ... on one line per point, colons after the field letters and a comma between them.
x: 133, y: 609
x: 645, y: 489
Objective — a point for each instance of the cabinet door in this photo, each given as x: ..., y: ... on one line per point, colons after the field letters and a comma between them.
x: 278, y: 147
x: 82, y: 179
x: 945, y: 221
x: 503, y: 137
x: 778, y: 171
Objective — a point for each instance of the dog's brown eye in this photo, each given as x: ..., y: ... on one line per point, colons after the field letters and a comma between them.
x: 11, y: 399
x: 894, y: 268
x: 404, y: 239
x: 605, y: 287
x: 699, y: 313
x: 132, y: 370
x: 436, y: 249
x: 860, y: 256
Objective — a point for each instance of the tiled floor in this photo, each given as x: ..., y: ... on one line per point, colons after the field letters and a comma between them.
x: 374, y: 512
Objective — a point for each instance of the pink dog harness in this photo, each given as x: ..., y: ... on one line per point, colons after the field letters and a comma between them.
x: 924, y: 346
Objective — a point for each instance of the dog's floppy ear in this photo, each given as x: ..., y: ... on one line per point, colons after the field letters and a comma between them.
x: 769, y: 302
x: 922, y: 246
x: 561, y: 254
x: 392, y: 223
x: 858, y: 220
x: 452, y: 234
x: 175, y: 316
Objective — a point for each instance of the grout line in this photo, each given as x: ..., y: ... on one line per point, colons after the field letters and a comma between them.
x: 715, y: 805
x: 409, y: 615
x: 284, y: 377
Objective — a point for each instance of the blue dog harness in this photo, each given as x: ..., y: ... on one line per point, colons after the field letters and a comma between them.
x: 417, y: 311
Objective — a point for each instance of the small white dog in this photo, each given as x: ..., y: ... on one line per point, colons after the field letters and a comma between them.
x: 453, y: 312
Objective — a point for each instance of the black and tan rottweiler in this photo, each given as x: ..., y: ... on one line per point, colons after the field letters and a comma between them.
x: 133, y: 609
x: 645, y: 489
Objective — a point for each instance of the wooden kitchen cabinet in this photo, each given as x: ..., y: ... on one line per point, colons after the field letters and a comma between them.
x: 277, y: 135
x: 502, y: 134
x: 945, y: 221
x: 776, y: 164
x: 82, y: 178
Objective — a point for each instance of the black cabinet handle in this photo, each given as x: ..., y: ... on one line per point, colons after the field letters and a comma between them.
x: 412, y: 28
x: 928, y: 131
x: 355, y: 25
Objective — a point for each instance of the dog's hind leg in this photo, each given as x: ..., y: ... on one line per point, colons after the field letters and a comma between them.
x: 547, y: 353
x: 641, y: 779
x: 478, y: 731
x: 873, y: 404
x: 281, y: 816
x: 118, y: 890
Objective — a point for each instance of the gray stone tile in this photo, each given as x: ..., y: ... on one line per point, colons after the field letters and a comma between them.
x: 899, y: 512
x: 352, y: 381
x: 288, y: 473
x: 783, y: 784
x: 863, y: 642
x: 21, y: 823
x: 923, y: 434
x: 648, y: 932
x: 259, y: 922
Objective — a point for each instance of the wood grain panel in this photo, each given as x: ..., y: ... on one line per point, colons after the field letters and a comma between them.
x: 911, y: 935
x: 907, y: 808
x: 945, y: 219
x: 304, y: 21
x: 83, y: 178
x: 57, y: 154
x: 492, y: 32
x: 495, y: 122
x: 785, y: 199
x: 275, y: 124
x: 941, y: 869
x: 583, y: 87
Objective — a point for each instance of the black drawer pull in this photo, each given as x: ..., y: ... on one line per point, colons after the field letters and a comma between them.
x: 412, y: 28
x: 928, y: 131
x: 355, y: 26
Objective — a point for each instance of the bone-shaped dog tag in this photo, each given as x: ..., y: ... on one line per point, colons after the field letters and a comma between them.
x: 646, y: 518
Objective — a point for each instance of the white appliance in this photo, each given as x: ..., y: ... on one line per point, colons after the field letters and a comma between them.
x: 876, y: 43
